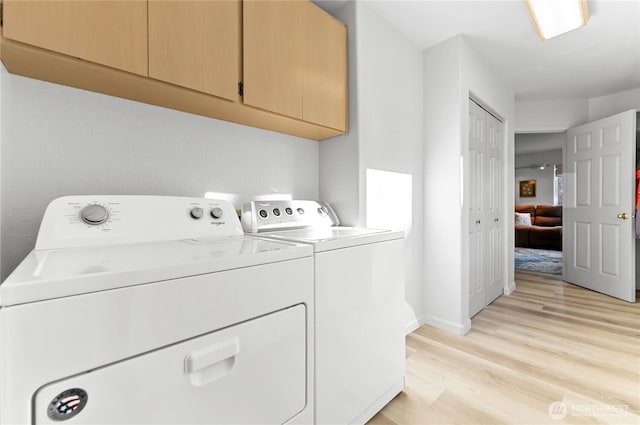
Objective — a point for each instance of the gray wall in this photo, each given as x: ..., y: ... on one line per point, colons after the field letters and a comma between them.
x: 544, y: 178
x: 59, y: 141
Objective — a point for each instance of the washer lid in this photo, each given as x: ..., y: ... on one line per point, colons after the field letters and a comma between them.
x: 55, y: 273
x: 328, y: 238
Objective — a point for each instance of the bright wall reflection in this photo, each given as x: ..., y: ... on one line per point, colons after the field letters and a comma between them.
x: 388, y: 200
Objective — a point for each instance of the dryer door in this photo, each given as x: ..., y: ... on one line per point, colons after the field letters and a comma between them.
x: 253, y: 372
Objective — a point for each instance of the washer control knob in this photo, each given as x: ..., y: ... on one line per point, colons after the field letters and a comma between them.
x: 94, y: 214
x: 216, y: 212
x: 263, y: 213
x: 196, y: 213
x: 323, y: 211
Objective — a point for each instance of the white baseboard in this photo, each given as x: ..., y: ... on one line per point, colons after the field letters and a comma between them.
x: 456, y: 328
x: 510, y: 288
x: 377, y: 405
x: 411, y: 326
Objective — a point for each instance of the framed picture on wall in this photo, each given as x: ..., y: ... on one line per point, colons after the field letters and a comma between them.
x: 528, y: 189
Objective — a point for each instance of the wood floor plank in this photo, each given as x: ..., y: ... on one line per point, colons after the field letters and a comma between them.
x: 549, y: 349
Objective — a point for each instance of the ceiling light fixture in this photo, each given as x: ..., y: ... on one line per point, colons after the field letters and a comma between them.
x: 555, y: 17
x: 534, y: 166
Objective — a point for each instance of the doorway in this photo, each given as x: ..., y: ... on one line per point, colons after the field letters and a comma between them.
x: 538, y: 202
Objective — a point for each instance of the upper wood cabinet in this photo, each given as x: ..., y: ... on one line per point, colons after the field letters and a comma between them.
x: 325, y: 96
x: 273, y: 55
x: 295, y: 61
x: 191, y: 55
x: 196, y: 44
x: 111, y: 33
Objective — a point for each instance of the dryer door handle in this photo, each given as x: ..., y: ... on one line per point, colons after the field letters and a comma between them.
x: 209, y: 363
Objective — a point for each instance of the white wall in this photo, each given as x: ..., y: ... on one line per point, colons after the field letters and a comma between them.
x: 61, y: 141
x: 390, y: 132
x: 604, y: 106
x: 559, y: 115
x: 442, y: 210
x: 544, y: 178
x: 550, y: 116
x: 385, y: 134
x: 339, y: 156
x: 453, y: 72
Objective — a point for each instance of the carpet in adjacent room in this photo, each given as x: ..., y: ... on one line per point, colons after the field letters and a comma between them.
x: 538, y: 260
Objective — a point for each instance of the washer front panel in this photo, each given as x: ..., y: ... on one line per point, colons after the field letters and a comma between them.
x: 48, y: 341
x: 250, y: 373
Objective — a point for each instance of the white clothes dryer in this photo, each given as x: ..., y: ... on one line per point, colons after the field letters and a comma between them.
x: 359, y: 299
x: 154, y: 310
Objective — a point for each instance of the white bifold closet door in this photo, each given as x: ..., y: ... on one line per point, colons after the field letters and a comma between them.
x: 485, y: 203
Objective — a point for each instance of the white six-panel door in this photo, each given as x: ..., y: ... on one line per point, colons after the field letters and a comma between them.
x: 494, y: 213
x: 598, y: 225
x: 477, y: 233
x: 485, y: 210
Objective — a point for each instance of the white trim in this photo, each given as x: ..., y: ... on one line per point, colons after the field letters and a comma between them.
x: 456, y: 328
x: 380, y: 402
x: 508, y: 290
x: 412, y: 326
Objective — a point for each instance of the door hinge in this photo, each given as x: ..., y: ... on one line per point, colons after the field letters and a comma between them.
x: 240, y: 88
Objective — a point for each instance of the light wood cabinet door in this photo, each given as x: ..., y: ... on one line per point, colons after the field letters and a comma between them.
x: 273, y: 55
x: 295, y: 61
x: 111, y: 33
x: 325, y: 71
x: 196, y: 44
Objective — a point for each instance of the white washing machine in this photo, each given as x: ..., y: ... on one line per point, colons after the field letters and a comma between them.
x: 359, y: 297
x: 155, y: 310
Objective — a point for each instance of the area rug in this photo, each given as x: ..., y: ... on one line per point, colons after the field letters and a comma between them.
x: 539, y: 260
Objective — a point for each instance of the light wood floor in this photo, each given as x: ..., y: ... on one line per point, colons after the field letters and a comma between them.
x: 548, y: 342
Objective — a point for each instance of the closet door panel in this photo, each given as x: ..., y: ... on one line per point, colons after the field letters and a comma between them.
x: 476, y: 202
x: 495, y: 201
x: 485, y: 197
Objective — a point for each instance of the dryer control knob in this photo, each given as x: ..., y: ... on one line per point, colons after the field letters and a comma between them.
x: 94, y: 214
x: 196, y: 212
x: 216, y: 212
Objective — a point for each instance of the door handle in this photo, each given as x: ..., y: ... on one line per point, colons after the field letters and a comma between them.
x: 623, y: 216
